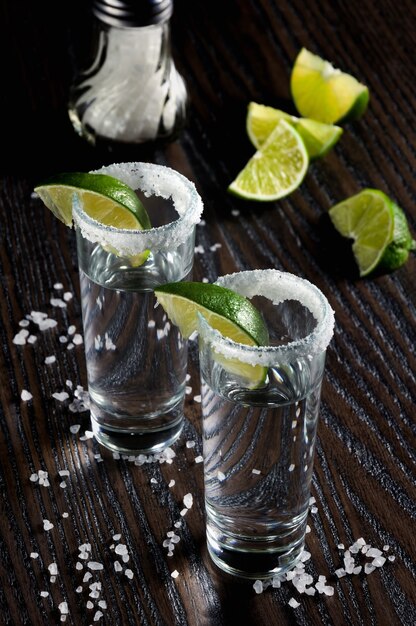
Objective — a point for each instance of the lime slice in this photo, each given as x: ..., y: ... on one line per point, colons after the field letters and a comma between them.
x: 104, y: 198
x: 232, y: 314
x: 324, y: 93
x: 318, y: 138
x: 368, y: 219
x: 276, y: 169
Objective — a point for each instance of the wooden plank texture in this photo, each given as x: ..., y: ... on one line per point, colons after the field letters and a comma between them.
x: 230, y: 53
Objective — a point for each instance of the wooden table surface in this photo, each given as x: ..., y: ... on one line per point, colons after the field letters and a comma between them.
x: 230, y: 53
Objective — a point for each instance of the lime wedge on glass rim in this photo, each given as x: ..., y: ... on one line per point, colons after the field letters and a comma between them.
x: 379, y: 228
x: 232, y: 314
x: 318, y: 137
x: 324, y: 93
x: 276, y: 169
x: 104, y: 198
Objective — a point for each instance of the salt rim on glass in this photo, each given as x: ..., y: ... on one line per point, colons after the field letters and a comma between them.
x: 151, y: 179
x: 277, y: 286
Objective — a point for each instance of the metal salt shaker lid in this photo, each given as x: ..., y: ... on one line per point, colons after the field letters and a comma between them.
x: 132, y: 13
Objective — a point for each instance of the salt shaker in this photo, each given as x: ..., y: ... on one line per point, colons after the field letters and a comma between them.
x: 132, y: 92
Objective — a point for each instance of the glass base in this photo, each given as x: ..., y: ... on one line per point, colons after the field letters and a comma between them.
x: 142, y: 440
x: 252, y: 558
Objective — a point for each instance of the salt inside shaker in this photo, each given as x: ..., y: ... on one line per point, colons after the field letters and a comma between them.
x: 131, y: 93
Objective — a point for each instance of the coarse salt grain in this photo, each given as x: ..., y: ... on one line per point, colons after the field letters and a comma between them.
x: 129, y: 573
x: 175, y: 573
x: 34, y: 555
x: 255, y: 471
x: 95, y: 566
x: 26, y: 395
x: 197, y: 398
x: 220, y: 476
x: 44, y: 594
x: 47, y: 525
x: 293, y: 603
x: 258, y: 586
x: 199, y: 459
x: 60, y: 396
x: 188, y: 500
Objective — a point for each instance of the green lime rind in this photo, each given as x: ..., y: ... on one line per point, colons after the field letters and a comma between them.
x: 229, y: 306
x: 378, y: 227
x: 57, y: 192
x: 397, y: 252
x: 324, y: 93
x: 319, y: 138
x: 276, y: 169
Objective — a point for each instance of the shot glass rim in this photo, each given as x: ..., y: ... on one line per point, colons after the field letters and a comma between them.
x: 312, y: 344
x: 186, y: 199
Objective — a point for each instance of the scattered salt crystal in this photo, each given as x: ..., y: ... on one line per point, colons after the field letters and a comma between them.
x: 58, y: 286
x: 47, y: 525
x: 65, y: 514
x: 90, y: 605
x: 308, y: 528
x: 255, y: 471
x: 117, y: 537
x: 33, y: 478
x: 34, y: 555
x: 121, y: 548
x: 20, y: 338
x: 391, y: 558
x: 129, y: 573
x: 220, y: 476
x: 197, y: 398
x: 178, y: 524
x: 314, y: 509
x: 95, y: 566
x: 235, y: 212
x: 341, y: 546
x: 78, y: 589
x: 188, y: 389
x: 374, y: 552
x: 61, y: 396
x: 75, y: 428
x: 117, y: 566
x: 291, y: 467
x: 153, y: 481
x: 258, y: 586
x: 357, y: 569
x: 102, y: 604
x: 205, y: 280
x: 386, y: 548
x: 70, y: 346
x: 26, y: 395
x: 199, y: 249
x: 171, y: 483
x: 188, y: 500
x: 368, y: 568
x: 293, y: 603
x: 199, y: 459
x: 79, y: 565
x: 50, y: 359
x: 63, y: 607
x: 87, y: 577
x: 310, y: 591
x: 63, y: 339
x: 47, y: 323
x: 340, y: 572
x: 190, y: 444
x: 183, y: 512
x: 32, y: 339
x: 24, y: 323
x: 44, y: 594
x: 304, y: 556
x: 63, y: 485
x: 53, y: 569
x: 175, y: 573
x: 98, y: 615
x: 68, y: 296
x: 57, y: 302
x: 378, y: 561
x: 78, y: 340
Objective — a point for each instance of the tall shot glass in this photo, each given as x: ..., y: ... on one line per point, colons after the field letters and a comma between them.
x: 136, y: 361
x: 260, y: 410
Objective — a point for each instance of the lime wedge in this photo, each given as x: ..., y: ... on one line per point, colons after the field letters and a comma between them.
x: 324, y: 93
x: 104, y: 198
x: 233, y: 315
x: 318, y: 137
x: 368, y: 219
x: 276, y: 169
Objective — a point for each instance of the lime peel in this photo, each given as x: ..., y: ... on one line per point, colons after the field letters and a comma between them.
x: 276, y: 169
x: 324, y: 93
x: 379, y: 228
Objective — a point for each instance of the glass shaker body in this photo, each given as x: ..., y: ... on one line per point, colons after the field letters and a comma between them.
x: 131, y: 91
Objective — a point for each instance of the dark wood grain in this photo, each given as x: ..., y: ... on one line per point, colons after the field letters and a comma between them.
x: 230, y: 53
